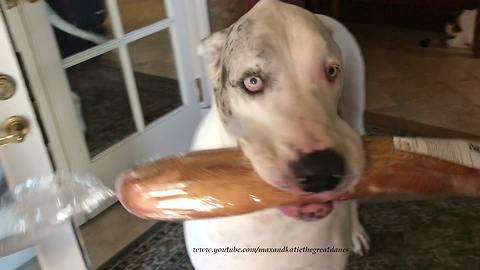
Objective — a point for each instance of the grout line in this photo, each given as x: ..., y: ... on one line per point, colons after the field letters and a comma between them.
x: 176, y: 251
x: 176, y: 263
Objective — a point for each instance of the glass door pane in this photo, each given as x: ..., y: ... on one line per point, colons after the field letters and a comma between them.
x: 102, y: 102
x: 138, y: 14
x: 116, y: 93
x: 78, y: 24
x: 156, y: 77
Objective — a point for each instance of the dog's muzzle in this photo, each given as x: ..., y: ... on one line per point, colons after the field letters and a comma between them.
x: 319, y: 171
x: 316, y: 172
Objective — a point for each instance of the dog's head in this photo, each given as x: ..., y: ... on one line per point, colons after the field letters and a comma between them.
x: 277, y: 76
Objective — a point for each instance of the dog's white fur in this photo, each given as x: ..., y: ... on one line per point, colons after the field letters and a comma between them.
x: 271, y: 228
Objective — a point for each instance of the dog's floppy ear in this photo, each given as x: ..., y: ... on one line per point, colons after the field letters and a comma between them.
x: 212, y: 48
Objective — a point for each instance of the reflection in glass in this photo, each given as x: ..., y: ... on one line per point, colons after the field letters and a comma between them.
x: 140, y: 13
x: 78, y: 25
x: 155, y: 75
x: 81, y: 25
x: 102, y: 103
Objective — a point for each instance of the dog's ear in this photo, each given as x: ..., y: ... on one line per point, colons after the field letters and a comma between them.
x: 212, y: 48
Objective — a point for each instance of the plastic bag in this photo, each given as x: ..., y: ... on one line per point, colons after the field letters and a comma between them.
x: 218, y: 183
x: 30, y: 211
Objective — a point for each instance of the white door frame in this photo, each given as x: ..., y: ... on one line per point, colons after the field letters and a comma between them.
x: 199, y: 29
x: 22, y: 21
x: 60, y: 250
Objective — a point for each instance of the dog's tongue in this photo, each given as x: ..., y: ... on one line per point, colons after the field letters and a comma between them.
x: 308, y: 212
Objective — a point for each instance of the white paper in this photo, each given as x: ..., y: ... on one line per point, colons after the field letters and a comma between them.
x: 463, y: 152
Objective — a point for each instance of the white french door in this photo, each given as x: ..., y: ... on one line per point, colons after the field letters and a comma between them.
x: 20, y: 161
x: 115, y: 84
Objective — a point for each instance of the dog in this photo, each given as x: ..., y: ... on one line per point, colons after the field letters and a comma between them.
x: 289, y: 89
x: 459, y: 31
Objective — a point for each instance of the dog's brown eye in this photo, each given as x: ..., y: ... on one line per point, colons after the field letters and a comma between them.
x: 331, y: 73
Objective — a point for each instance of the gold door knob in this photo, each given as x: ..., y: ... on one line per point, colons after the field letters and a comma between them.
x: 16, y: 128
x: 7, y: 87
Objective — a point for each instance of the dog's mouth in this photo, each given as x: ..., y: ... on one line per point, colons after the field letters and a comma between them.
x: 323, y: 175
x: 316, y: 211
x: 308, y: 212
x: 311, y: 211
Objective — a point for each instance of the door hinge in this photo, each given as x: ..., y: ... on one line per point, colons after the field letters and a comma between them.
x: 198, y: 83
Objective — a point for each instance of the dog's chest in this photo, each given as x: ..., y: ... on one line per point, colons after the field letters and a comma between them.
x: 265, y: 229
x: 270, y: 229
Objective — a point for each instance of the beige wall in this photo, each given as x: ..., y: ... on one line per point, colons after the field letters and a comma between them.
x: 224, y: 12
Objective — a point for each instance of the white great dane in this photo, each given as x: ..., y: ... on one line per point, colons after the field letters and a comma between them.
x: 289, y: 88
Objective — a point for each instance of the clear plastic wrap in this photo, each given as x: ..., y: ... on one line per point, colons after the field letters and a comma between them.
x: 30, y: 211
x: 221, y: 183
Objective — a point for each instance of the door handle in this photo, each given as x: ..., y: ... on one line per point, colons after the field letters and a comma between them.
x: 16, y: 128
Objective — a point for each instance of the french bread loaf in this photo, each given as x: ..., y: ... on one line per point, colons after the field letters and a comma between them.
x: 218, y: 183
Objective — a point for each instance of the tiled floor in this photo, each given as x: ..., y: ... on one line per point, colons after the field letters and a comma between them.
x: 433, y: 86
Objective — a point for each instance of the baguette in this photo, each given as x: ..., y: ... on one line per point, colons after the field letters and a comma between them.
x: 217, y: 183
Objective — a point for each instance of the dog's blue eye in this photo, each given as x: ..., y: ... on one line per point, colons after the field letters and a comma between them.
x: 253, y: 84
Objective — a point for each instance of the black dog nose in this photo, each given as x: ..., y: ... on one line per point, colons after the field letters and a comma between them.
x: 319, y: 171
